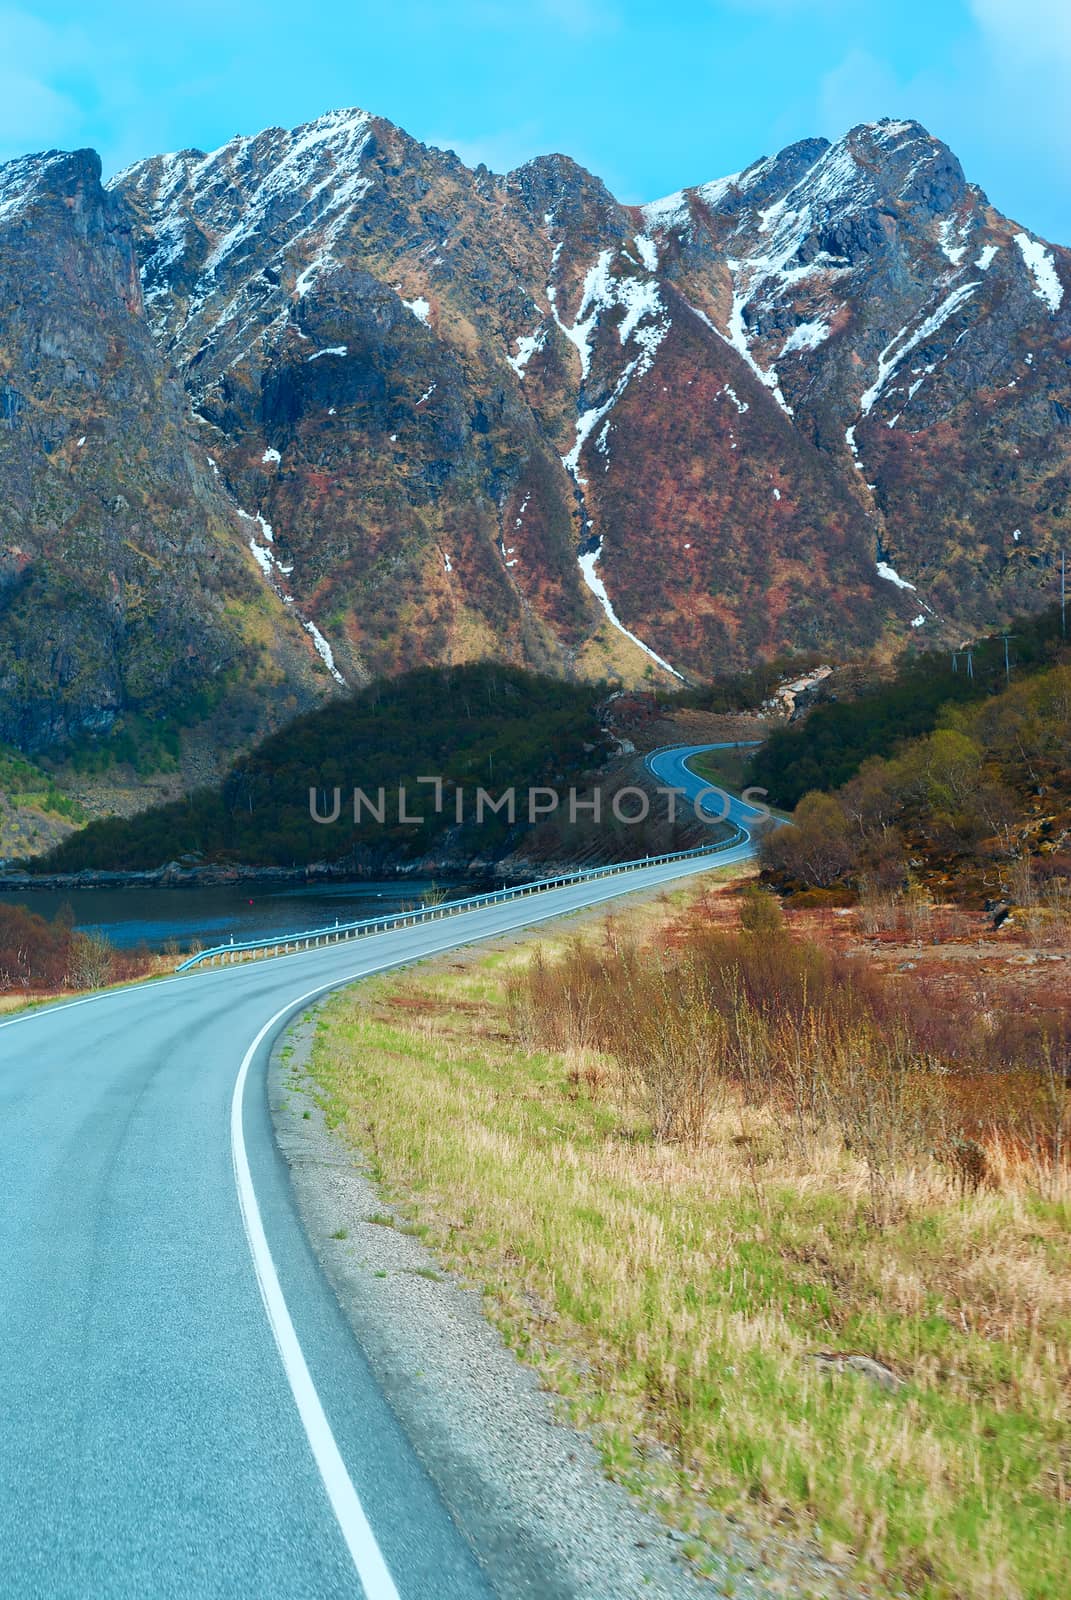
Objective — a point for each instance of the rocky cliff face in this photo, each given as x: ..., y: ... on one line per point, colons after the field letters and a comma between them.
x: 124, y: 583
x: 918, y: 338
x: 401, y: 411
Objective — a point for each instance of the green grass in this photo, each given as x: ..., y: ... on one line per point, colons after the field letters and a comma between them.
x: 729, y: 769
x: 672, y: 1296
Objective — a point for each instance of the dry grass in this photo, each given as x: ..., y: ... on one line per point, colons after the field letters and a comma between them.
x: 154, y: 966
x: 674, y: 1289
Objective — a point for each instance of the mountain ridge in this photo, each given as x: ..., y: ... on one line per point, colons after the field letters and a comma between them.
x: 441, y: 413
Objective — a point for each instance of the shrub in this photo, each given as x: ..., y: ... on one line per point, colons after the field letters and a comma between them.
x: 903, y: 1076
x: 42, y: 956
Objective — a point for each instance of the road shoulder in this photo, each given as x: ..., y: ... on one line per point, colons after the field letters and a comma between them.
x: 526, y: 1489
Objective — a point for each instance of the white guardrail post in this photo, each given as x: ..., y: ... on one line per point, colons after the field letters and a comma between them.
x: 309, y: 937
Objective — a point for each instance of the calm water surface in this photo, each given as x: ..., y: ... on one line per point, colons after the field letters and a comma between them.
x: 131, y: 917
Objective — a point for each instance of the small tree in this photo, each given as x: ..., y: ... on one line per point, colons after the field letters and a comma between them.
x: 816, y: 850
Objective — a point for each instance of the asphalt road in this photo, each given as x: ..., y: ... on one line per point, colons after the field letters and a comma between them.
x: 671, y: 767
x: 185, y: 1412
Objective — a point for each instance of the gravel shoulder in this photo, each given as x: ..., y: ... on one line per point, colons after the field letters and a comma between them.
x: 526, y: 1490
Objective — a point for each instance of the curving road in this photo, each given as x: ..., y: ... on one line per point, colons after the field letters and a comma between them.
x: 185, y: 1412
x: 671, y: 768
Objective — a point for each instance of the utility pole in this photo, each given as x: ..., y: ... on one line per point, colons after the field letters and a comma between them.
x: 1007, y: 661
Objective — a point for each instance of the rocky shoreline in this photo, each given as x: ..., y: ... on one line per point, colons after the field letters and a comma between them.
x: 174, y: 875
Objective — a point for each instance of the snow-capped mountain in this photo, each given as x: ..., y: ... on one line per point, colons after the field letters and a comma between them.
x: 405, y: 411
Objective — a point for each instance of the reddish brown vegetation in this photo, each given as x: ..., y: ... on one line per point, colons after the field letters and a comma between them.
x: 42, y: 957
x: 904, y: 1062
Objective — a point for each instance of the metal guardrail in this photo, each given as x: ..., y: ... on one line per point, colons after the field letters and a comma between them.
x: 313, y: 937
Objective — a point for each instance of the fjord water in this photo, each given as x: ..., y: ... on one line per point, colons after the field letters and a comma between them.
x: 213, y: 913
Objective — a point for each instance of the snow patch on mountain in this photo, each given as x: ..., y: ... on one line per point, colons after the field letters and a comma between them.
x: 1042, y: 267
x: 596, y: 295
x: 323, y: 650
x: 640, y: 300
x: 262, y: 557
x: 527, y: 346
x: 265, y: 527
x: 891, y: 576
x: 598, y: 588
x: 945, y: 232
x: 902, y: 343
x: 18, y: 181
x: 737, y: 336
x: 806, y: 336
x: 274, y: 572
x: 645, y: 324
x: 420, y: 308
x: 667, y: 214
x: 648, y: 251
x: 674, y: 211
x: 918, y: 375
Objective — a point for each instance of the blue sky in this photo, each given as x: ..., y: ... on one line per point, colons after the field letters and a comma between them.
x: 650, y: 96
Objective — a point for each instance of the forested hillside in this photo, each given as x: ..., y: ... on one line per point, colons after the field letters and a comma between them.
x: 827, y: 748
x: 486, y: 725
x: 980, y: 805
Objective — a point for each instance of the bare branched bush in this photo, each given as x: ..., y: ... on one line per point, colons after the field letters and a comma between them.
x: 1055, y: 903
x: 760, y: 1019
x: 671, y: 1042
x: 90, y: 961
x: 879, y: 908
x: 918, y: 911
x: 1022, y: 883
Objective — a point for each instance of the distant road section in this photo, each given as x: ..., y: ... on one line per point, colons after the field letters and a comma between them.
x: 671, y: 768
x: 186, y: 1413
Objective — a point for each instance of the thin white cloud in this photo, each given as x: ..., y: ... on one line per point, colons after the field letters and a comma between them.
x: 34, y: 112
x: 32, y: 115
x: 1029, y: 32
x: 858, y: 89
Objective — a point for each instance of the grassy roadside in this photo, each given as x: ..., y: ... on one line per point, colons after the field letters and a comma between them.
x: 727, y: 768
x: 12, y: 1004
x: 674, y: 1295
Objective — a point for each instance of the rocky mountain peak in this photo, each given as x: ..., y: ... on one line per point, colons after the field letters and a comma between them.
x: 403, y: 411
x: 556, y: 186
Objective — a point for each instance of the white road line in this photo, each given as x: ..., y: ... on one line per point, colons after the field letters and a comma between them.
x: 372, y: 1570
x: 368, y: 1559
x: 47, y: 1009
